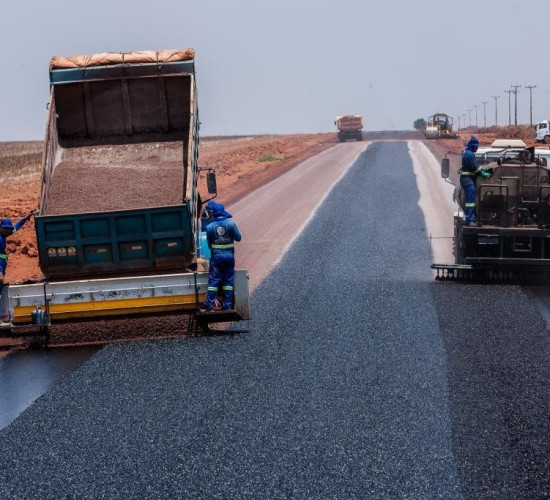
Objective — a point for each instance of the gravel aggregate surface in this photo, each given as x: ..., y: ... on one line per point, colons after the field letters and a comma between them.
x: 117, y: 177
x: 498, y: 347
x: 359, y: 377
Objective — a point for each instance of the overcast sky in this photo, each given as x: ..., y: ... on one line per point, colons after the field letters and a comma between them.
x: 291, y: 66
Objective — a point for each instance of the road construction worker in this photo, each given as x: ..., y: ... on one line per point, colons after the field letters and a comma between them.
x: 207, y: 217
x: 7, y: 228
x: 221, y: 236
x: 468, y: 174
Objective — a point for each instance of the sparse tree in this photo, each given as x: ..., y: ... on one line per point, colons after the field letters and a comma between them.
x: 420, y: 124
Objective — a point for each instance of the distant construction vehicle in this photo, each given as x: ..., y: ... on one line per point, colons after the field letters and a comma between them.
x: 440, y: 126
x: 118, y: 227
x: 512, y: 236
x: 349, y: 127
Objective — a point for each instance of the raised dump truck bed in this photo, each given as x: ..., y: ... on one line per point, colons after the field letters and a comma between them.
x: 122, y: 142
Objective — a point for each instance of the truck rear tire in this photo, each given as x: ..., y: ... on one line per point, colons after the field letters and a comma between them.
x: 547, y: 139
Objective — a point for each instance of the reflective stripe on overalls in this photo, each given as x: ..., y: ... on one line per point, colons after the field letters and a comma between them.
x: 223, y: 247
x: 470, y: 173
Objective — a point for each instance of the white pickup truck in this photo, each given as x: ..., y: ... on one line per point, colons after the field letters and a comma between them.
x: 543, y: 131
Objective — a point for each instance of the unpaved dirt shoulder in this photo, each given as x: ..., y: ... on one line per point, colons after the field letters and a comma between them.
x: 243, y: 166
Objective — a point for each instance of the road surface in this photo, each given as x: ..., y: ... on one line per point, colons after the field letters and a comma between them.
x: 360, y: 377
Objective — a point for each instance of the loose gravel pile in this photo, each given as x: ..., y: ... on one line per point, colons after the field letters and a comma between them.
x: 117, y: 177
x: 119, y: 329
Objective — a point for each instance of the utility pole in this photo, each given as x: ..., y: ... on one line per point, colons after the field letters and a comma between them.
x: 484, y: 114
x: 496, y: 98
x: 530, y: 87
x: 509, y: 107
x: 476, y: 106
x: 458, y: 120
x: 515, y: 87
x: 469, y: 118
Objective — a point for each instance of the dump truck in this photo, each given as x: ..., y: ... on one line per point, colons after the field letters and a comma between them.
x: 349, y: 127
x: 512, y: 235
x: 439, y: 126
x: 118, y: 224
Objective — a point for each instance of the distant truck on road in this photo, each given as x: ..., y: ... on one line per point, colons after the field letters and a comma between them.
x: 440, y: 126
x: 543, y: 131
x: 349, y: 127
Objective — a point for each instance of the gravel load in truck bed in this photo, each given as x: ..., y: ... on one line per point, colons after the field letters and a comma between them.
x: 117, y: 177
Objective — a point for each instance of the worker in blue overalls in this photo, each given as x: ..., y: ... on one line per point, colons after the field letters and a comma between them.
x: 207, y: 217
x: 7, y: 228
x: 221, y: 235
x: 468, y: 174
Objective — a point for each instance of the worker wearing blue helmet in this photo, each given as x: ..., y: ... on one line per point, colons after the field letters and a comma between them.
x: 221, y: 235
x: 468, y: 175
x: 207, y: 214
x: 7, y: 228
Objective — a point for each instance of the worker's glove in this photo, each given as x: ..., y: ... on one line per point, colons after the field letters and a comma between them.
x: 486, y: 174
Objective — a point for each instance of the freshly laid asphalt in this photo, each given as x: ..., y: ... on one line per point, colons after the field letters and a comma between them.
x: 359, y: 377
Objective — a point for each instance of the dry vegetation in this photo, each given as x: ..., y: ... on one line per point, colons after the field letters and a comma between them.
x: 524, y: 132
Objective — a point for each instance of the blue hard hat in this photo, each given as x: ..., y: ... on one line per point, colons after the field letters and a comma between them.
x: 218, y: 211
x: 6, y: 224
x: 210, y: 206
x: 473, y: 142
